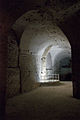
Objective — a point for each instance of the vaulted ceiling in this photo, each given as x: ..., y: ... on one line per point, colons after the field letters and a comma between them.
x: 58, y: 8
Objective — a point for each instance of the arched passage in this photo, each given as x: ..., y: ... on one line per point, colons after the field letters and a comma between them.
x: 39, y: 37
x: 4, y: 23
x: 52, y: 60
x: 46, y: 62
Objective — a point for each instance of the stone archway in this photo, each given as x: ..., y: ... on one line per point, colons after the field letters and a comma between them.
x: 37, y: 38
x: 7, y: 21
x: 56, y: 55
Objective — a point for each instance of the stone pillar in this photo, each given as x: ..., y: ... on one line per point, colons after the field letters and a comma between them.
x: 3, y: 41
x: 76, y: 70
x: 4, y: 26
x: 13, y: 71
x: 72, y: 31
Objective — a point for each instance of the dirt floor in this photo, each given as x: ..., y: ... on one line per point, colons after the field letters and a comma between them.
x: 45, y: 103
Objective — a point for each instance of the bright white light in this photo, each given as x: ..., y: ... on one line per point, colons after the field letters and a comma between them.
x: 55, y: 78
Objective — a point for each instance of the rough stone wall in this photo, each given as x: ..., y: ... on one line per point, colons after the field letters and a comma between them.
x: 13, y: 82
x: 12, y: 50
x: 13, y: 72
x: 28, y: 72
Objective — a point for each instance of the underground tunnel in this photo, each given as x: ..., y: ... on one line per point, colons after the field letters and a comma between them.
x: 42, y: 54
x: 43, y: 47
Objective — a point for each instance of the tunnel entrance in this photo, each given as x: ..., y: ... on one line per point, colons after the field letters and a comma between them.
x: 56, y: 64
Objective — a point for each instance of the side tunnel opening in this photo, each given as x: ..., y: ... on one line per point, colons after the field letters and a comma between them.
x: 56, y: 65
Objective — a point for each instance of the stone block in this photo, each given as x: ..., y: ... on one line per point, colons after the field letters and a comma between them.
x: 13, y: 81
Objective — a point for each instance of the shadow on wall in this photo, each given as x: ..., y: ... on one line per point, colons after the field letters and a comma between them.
x: 66, y: 69
x: 66, y: 77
